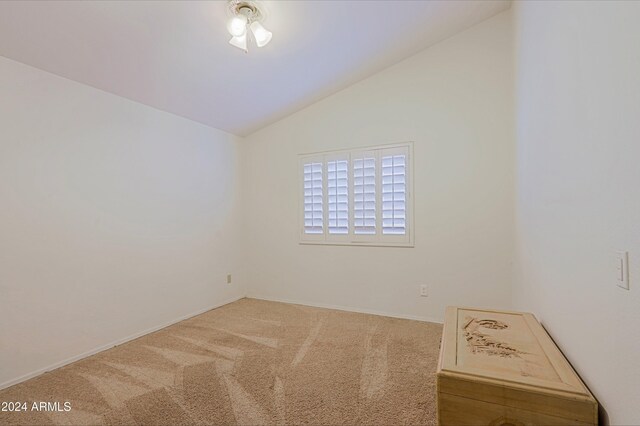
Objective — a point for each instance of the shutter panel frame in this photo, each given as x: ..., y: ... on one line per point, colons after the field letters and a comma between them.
x: 394, y: 190
x: 363, y: 164
x: 305, y: 203
x: 340, y: 160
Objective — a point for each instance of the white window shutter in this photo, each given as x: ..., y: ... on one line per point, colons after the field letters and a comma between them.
x: 358, y: 197
x: 364, y: 194
x: 338, y: 196
x: 313, y: 198
x: 394, y: 193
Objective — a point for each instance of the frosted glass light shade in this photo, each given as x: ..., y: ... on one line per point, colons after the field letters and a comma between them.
x: 260, y: 33
x: 240, y: 41
x: 237, y: 25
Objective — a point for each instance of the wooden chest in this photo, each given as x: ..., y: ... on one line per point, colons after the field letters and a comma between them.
x: 502, y: 368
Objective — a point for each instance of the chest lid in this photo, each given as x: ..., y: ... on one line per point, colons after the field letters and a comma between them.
x: 508, y: 349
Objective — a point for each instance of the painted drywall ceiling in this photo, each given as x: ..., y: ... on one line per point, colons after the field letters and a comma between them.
x: 175, y: 56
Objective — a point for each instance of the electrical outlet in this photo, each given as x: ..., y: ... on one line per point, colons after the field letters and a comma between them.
x: 423, y: 291
x: 228, y: 278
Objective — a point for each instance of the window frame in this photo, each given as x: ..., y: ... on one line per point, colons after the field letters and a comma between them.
x: 352, y: 239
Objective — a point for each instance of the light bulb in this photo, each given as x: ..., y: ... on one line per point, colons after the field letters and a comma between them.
x: 261, y: 35
x: 239, y: 41
x: 237, y: 25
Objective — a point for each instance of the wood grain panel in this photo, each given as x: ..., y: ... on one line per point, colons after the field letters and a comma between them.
x: 458, y: 411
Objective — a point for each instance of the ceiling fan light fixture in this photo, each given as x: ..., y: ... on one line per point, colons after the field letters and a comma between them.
x: 245, y: 15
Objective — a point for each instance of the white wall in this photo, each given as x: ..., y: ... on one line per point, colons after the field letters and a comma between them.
x: 578, y: 151
x: 115, y: 218
x: 455, y: 100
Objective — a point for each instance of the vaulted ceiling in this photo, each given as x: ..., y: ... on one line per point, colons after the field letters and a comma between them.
x: 175, y: 56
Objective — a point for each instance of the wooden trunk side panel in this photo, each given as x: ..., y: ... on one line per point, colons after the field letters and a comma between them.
x: 573, y: 409
x: 455, y: 410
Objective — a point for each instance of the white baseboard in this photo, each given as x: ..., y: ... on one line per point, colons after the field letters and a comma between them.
x: 112, y: 344
x: 349, y: 309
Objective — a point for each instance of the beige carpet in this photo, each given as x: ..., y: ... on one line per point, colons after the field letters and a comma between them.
x: 250, y: 362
